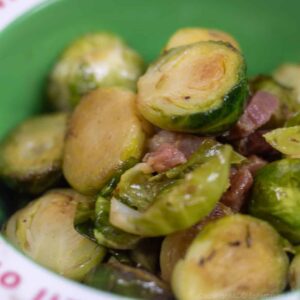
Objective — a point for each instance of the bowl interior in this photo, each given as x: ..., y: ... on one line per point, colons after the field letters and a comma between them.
x: 267, y: 32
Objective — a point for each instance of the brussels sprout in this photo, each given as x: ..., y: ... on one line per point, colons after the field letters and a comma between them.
x: 95, y: 60
x: 190, y: 198
x: 128, y: 281
x: 176, y: 244
x: 287, y: 102
x: 108, y: 235
x: 276, y: 197
x: 200, y: 88
x: 104, y: 133
x: 235, y: 257
x: 44, y: 231
x: 186, y: 36
x: 289, y: 75
x: 294, y: 273
x: 31, y: 155
x: 285, y: 140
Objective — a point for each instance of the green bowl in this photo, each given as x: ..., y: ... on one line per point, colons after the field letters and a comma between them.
x: 268, y: 32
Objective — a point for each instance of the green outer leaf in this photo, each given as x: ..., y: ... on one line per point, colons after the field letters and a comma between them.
x: 276, y: 197
x: 293, y: 121
x: 108, y: 188
x: 108, y: 235
x: 181, y: 205
x: 285, y: 140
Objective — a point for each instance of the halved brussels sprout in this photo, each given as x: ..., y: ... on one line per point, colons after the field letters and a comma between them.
x: 285, y: 140
x: 31, y: 155
x: 276, y: 197
x: 176, y: 244
x: 287, y: 102
x: 44, y: 231
x: 199, y: 88
x: 289, y: 75
x: 95, y: 60
x: 235, y: 257
x: 192, y: 195
x: 294, y: 273
x: 104, y: 132
x: 186, y: 36
x: 128, y: 281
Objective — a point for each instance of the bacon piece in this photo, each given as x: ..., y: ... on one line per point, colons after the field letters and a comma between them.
x: 258, y: 112
x: 241, y: 181
x: 186, y: 143
x: 164, y: 158
x: 169, y: 149
x: 256, y: 144
x: 254, y: 163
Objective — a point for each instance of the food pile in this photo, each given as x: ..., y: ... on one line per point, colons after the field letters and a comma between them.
x: 176, y: 181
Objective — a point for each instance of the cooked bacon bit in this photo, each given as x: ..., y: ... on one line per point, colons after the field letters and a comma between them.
x: 258, y: 112
x: 254, y: 163
x: 186, y: 143
x: 164, y: 158
x: 255, y: 144
x: 169, y: 149
x: 241, y: 181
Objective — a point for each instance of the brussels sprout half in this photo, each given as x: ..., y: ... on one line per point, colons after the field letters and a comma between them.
x: 200, y: 88
x: 95, y: 60
x: 175, y: 245
x: 44, y: 231
x: 31, y: 155
x: 104, y: 132
x: 276, y: 197
x: 184, y: 202
x: 235, y: 257
x: 186, y: 36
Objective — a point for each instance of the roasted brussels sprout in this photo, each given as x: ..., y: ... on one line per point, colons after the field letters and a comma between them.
x: 235, y: 257
x: 276, y: 197
x: 289, y: 75
x: 287, y: 102
x: 176, y: 244
x: 104, y: 132
x: 186, y: 36
x: 194, y: 189
x: 285, y: 140
x: 208, y: 99
x: 95, y: 60
x: 294, y: 273
x: 44, y: 231
x: 128, y: 281
x: 31, y: 155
